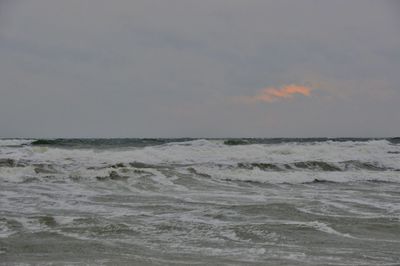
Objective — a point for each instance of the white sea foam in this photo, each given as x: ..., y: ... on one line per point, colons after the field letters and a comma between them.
x: 14, y: 142
x: 189, y: 198
x: 204, y: 151
x: 210, y: 157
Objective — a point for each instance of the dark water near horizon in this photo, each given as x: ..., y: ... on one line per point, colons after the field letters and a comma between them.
x: 315, y: 201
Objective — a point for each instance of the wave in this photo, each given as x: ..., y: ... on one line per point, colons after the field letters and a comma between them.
x: 143, y: 142
x: 248, y: 141
x: 15, y: 142
x: 7, y: 162
x: 281, y: 167
x: 307, y: 173
x: 202, y: 158
x: 317, y: 166
x: 105, y: 143
x: 395, y: 140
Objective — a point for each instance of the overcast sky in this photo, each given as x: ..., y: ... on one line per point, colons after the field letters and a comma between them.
x: 209, y: 68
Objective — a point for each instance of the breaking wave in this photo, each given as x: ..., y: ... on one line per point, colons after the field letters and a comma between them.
x: 251, y: 200
x: 14, y: 142
x: 287, y: 162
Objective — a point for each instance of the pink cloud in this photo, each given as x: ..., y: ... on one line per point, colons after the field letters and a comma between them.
x: 274, y: 94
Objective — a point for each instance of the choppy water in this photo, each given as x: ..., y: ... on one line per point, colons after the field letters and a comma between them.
x: 200, y: 202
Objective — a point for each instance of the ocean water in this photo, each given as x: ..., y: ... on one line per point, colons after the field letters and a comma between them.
x: 200, y: 202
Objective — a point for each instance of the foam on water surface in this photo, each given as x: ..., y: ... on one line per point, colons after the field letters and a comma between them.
x: 200, y: 201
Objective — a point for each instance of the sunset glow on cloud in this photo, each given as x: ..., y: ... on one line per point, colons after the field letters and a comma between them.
x: 273, y: 94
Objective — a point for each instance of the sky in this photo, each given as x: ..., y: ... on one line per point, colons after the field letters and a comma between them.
x: 209, y: 68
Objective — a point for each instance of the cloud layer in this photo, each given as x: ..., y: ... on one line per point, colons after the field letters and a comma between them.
x: 159, y: 68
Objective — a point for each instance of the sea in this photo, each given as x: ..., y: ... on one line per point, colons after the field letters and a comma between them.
x: 280, y: 201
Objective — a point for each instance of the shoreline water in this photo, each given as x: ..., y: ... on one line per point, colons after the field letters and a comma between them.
x: 200, y: 201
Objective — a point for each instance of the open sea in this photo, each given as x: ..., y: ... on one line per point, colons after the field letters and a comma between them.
x: 200, y: 201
